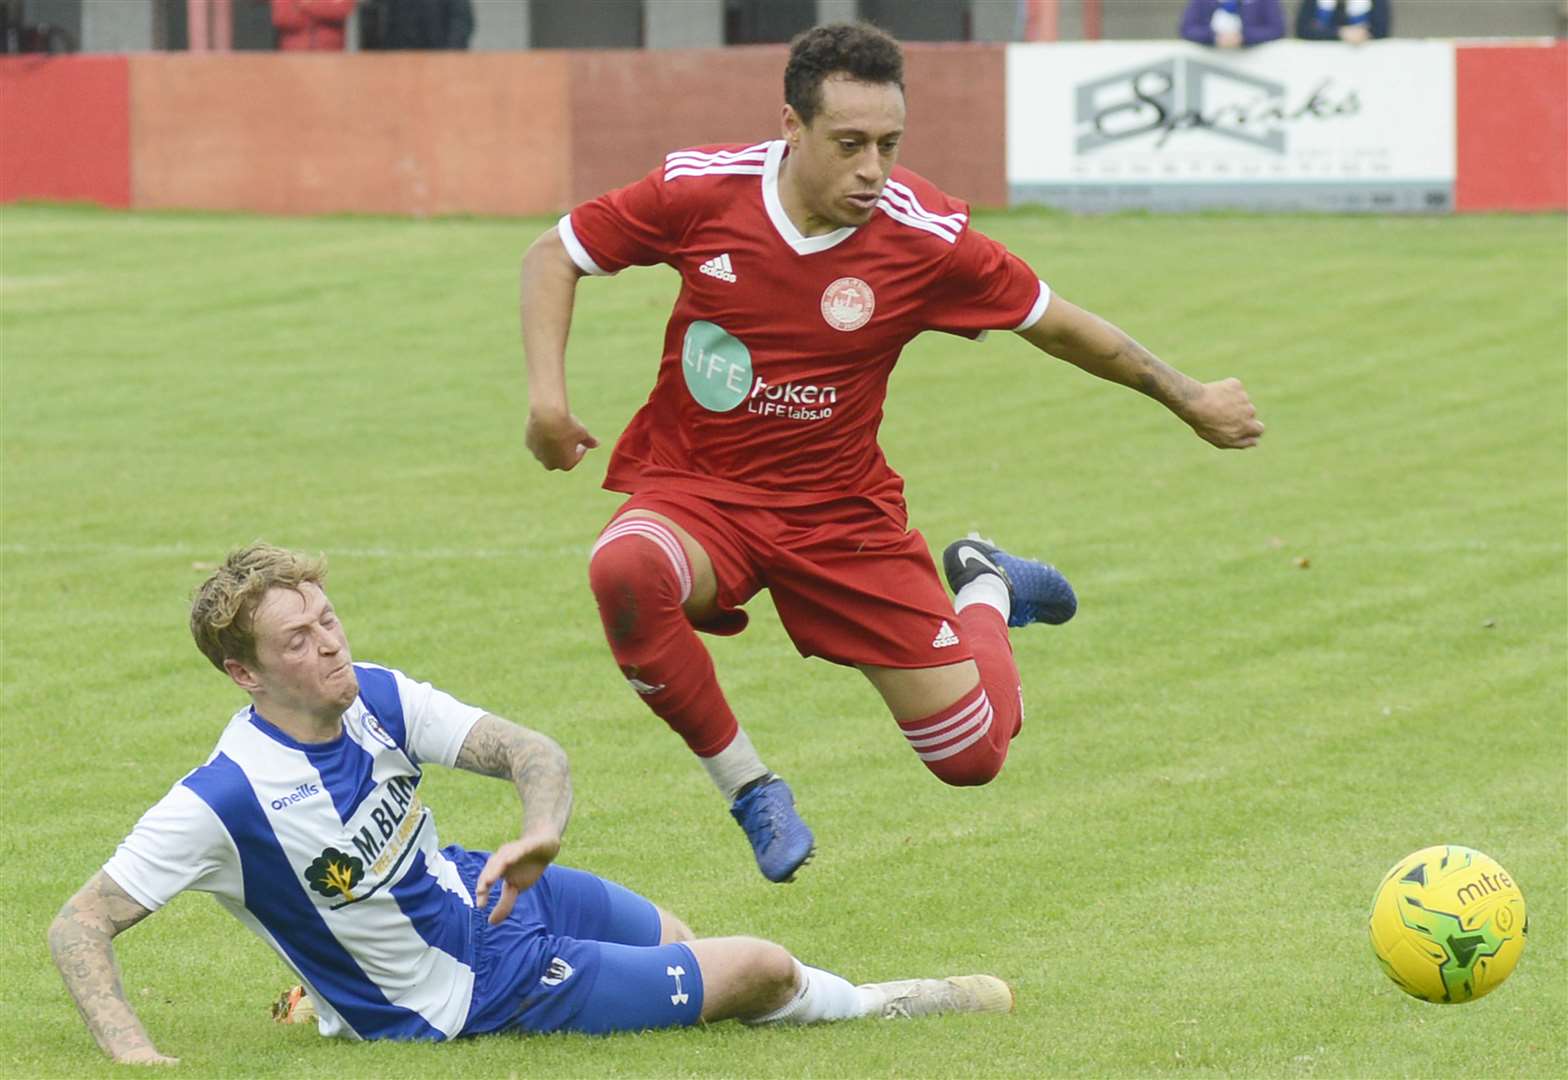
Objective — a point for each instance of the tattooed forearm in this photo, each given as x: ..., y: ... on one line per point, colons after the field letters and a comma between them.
x: 500, y: 748
x: 1156, y: 379
x: 80, y: 942
x: 1087, y: 341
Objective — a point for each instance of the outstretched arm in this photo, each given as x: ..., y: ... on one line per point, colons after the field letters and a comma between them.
x: 1220, y: 412
x: 80, y: 942
x: 500, y: 748
x: 549, y: 291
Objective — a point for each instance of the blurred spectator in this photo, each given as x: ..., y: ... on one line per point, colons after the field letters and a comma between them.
x: 17, y: 36
x: 1230, y: 24
x: 417, y: 24
x: 1354, y: 21
x: 310, y: 25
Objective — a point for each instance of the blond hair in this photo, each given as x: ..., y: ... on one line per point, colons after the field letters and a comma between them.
x: 225, y: 604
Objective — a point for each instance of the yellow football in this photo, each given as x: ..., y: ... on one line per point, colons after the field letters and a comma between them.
x: 1448, y: 924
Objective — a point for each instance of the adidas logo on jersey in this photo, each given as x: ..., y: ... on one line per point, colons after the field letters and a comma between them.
x: 944, y: 637
x: 719, y: 267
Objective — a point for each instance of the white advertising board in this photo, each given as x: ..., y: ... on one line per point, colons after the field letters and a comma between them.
x: 1288, y: 125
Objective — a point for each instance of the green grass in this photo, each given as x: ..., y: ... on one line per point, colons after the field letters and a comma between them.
x: 1223, y: 752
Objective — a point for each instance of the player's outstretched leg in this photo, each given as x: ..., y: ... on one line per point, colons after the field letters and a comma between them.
x: 1034, y: 591
x: 642, y: 578
x: 759, y: 982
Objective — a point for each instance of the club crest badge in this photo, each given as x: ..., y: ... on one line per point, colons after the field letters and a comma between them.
x: 847, y: 304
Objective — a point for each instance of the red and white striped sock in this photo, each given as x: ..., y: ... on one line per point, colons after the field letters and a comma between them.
x: 641, y: 577
x: 964, y: 744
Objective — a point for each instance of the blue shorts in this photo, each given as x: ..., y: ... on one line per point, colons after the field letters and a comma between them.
x: 577, y: 953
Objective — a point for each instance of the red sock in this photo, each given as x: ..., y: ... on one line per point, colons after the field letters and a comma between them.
x: 985, y: 632
x: 963, y: 744
x: 966, y: 743
x: 640, y: 576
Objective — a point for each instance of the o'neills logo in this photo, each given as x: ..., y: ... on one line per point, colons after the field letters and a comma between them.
x: 299, y: 794
x: 847, y: 304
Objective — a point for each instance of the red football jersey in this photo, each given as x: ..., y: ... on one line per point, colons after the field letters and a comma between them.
x: 778, y: 352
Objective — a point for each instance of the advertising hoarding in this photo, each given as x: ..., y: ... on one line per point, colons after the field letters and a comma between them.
x: 1284, y: 126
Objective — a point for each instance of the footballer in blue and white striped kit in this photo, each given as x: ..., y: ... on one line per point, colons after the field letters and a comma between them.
x: 306, y: 823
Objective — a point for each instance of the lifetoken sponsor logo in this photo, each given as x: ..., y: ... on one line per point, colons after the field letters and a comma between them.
x: 717, y: 366
x: 847, y: 304
x: 792, y: 401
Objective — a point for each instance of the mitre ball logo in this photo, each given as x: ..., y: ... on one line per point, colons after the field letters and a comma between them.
x: 847, y: 304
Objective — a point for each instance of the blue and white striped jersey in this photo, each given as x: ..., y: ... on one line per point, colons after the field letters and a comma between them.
x: 326, y: 852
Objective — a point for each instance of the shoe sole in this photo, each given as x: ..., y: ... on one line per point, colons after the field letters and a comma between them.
x: 794, y: 869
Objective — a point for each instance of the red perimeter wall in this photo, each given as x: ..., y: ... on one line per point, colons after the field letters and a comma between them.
x: 1512, y: 142
x: 536, y: 132
x: 65, y: 129
x: 377, y: 133
x: 436, y: 133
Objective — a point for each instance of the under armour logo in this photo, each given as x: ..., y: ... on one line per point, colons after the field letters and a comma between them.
x: 680, y: 997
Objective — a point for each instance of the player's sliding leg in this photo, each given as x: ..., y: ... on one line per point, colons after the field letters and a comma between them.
x: 758, y: 982
x: 710, y: 979
x: 652, y: 580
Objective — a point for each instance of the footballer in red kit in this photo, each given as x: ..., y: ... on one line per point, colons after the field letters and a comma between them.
x: 807, y: 263
x: 775, y: 369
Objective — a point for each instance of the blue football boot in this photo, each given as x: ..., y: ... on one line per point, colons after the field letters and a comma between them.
x: 783, y: 843
x: 1039, y: 591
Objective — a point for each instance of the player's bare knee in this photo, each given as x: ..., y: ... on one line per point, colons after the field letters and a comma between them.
x: 672, y: 929
x: 773, y: 971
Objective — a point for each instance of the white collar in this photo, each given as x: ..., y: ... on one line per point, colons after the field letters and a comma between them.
x: 802, y: 245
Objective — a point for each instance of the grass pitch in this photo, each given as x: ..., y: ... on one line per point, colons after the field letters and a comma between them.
x: 1291, y: 666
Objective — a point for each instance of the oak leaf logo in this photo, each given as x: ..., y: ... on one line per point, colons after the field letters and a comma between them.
x: 335, y: 874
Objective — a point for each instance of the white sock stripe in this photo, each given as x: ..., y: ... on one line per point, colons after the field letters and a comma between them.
x: 947, y: 752
x: 980, y: 718
x: 949, y: 721
x: 666, y: 540
x: 660, y: 535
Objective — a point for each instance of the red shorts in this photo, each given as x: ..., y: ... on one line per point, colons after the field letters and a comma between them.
x: 850, y: 583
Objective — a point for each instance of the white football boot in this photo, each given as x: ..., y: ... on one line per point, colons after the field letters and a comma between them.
x: 935, y: 997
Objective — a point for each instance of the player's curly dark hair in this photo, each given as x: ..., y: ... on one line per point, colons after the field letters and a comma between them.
x: 858, y: 50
